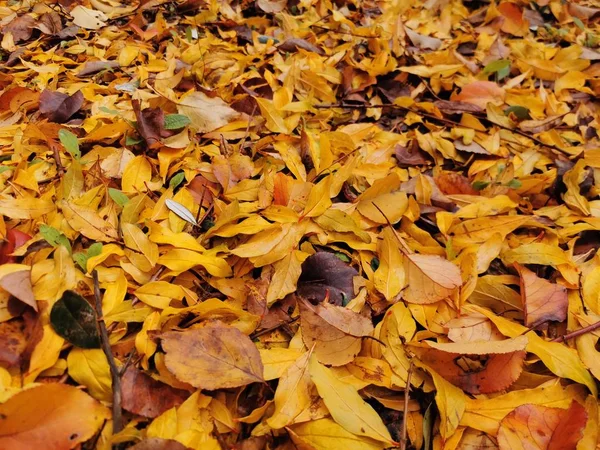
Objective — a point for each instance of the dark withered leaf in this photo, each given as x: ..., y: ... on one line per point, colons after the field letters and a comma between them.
x: 74, y: 319
x: 58, y: 107
x: 150, y: 123
x: 410, y: 156
x: 293, y: 44
x: 20, y: 27
x: 148, y: 397
x: 324, y: 272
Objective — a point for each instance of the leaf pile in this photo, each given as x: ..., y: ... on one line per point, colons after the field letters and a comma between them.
x: 307, y: 224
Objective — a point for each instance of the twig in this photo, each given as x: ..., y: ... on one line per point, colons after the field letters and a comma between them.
x: 114, y: 371
x: 379, y: 341
x: 443, y: 120
x: 406, y: 392
x: 577, y: 333
x: 273, y: 328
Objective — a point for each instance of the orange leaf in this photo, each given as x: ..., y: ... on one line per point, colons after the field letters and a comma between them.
x: 539, y: 427
x: 50, y: 417
x: 480, y: 93
x: 514, y: 22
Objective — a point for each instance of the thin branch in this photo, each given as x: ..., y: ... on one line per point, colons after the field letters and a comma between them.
x: 406, y: 395
x: 577, y: 333
x: 114, y: 371
x: 273, y: 328
x: 405, y: 248
x: 442, y: 120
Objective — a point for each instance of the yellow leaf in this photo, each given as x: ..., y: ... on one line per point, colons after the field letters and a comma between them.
x: 339, y: 221
x: 137, y: 240
x: 572, y: 179
x: 346, y: 406
x: 325, y: 434
x: 293, y: 393
x: 285, y: 278
x: 390, y: 277
x: 274, y: 120
x: 89, y: 368
x: 537, y: 253
x: 137, y: 173
x: 127, y: 55
x: 450, y: 400
x: 164, y: 235
x: 561, y: 360
x: 159, y: 294
x: 318, y: 199
x: 180, y: 260
x: 45, y: 354
x: 277, y: 360
x: 144, y: 344
x: 49, y: 416
x: 26, y: 207
x: 87, y: 222
x: 398, y: 326
x: 485, y: 413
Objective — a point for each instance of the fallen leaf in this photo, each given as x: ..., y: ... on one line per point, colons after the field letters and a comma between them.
x: 346, y: 406
x: 480, y: 93
x: 16, y: 279
x: 87, y: 18
x: 147, y: 397
x: 333, y: 332
x: 220, y: 357
x: 542, y: 427
x: 324, y: 274
x: 58, y: 107
x: 52, y: 416
x: 542, y: 301
x: 205, y: 113
x: 74, y: 319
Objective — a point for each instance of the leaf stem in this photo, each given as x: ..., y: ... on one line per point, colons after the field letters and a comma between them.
x: 114, y: 371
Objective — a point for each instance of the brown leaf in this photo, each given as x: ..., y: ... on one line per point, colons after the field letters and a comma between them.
x: 19, y: 99
x: 334, y: 331
x: 540, y: 427
x: 293, y: 44
x: 49, y: 23
x: 145, y: 396
x: 473, y: 367
x: 13, y: 342
x: 412, y: 156
x: 92, y: 67
x: 214, y: 356
x: 542, y: 301
x: 58, y: 107
x: 324, y: 273
x: 473, y: 147
x: 20, y: 27
x: 150, y: 123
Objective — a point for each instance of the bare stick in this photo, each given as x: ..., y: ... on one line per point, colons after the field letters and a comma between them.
x: 406, y: 392
x: 577, y: 333
x: 114, y: 371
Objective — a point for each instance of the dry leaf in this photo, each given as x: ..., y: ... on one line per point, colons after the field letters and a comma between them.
x: 220, y: 356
